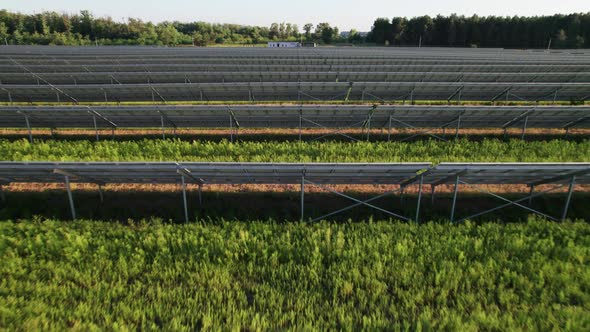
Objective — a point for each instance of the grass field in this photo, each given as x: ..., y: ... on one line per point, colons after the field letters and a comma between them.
x: 91, y: 275
x: 488, y: 150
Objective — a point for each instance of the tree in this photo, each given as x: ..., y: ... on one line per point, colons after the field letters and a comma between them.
x: 167, y: 34
x: 3, y: 33
x: 326, y: 33
x: 307, y: 28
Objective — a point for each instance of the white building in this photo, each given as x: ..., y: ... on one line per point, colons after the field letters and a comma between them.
x: 284, y: 44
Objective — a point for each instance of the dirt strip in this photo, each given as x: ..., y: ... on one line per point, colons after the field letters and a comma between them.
x: 412, y: 189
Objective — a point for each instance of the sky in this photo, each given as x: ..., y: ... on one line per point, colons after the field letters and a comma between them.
x: 345, y: 14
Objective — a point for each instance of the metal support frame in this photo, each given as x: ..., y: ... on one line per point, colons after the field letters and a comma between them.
x: 455, y: 192
x: 29, y: 128
x: 458, y: 127
x: 70, y: 197
x: 95, y: 127
x: 233, y: 122
x: 162, y: 125
x: 419, y: 198
x: 517, y: 202
x: 183, y: 183
x: 302, y: 216
x: 100, y: 194
x: 334, y: 132
x: 569, y: 197
x: 427, y: 132
x: 357, y: 202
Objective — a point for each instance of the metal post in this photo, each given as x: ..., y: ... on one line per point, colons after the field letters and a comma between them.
x: 57, y: 95
x: 401, y: 194
x: 569, y: 198
x: 113, y: 132
x: 70, y: 197
x: 163, y: 131
x: 389, y: 130
x: 95, y: 127
x: 2, y: 195
x: 231, y: 130
x: 454, y: 199
x: 531, y: 194
x: 29, y: 129
x: 302, y: 197
x: 526, y: 120
x: 184, y: 199
x: 200, y: 194
x: 300, y: 122
x: 100, y: 193
x: 368, y: 128
x: 432, y: 189
x: 419, y: 199
x: 458, y: 126
x: 9, y: 97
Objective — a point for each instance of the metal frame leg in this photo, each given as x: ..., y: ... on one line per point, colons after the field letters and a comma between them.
x: 419, y: 199
x: 163, y: 130
x: 184, y: 198
x: 70, y: 197
x: 200, y: 194
x: 389, y: 130
x: 458, y: 127
x: 432, y: 192
x: 100, y: 194
x: 29, y: 129
x: 531, y: 195
x: 302, y: 197
x: 95, y: 127
x: 569, y: 198
x: 454, y: 199
x: 2, y: 194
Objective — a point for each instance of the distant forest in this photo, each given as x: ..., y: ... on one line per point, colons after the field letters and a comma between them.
x: 51, y: 28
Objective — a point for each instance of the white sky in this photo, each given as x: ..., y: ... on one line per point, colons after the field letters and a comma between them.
x: 345, y: 14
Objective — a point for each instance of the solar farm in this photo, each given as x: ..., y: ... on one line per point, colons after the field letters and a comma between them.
x: 331, y: 152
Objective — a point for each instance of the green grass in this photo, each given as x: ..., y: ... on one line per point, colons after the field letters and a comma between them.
x: 488, y: 150
x: 262, y: 275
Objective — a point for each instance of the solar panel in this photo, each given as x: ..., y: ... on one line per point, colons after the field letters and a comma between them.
x: 254, y: 91
x: 292, y: 173
x: 508, y: 173
x: 283, y: 76
x: 211, y: 173
x: 293, y: 116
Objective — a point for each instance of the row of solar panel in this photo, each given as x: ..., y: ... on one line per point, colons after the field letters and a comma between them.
x: 305, y: 116
x: 273, y: 173
x: 262, y: 76
x: 292, y: 61
x: 281, y: 91
x: 154, y: 68
x: 123, y: 52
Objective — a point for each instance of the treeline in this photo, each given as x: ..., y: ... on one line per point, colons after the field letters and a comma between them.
x: 51, y: 28
x: 562, y: 31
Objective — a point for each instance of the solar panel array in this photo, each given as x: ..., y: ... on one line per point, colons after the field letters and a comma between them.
x: 295, y: 116
x: 292, y: 173
x: 111, y: 74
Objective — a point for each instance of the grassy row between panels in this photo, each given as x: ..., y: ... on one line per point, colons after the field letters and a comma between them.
x: 263, y: 275
x: 488, y: 150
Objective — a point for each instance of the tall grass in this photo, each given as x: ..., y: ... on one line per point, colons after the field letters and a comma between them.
x: 489, y: 150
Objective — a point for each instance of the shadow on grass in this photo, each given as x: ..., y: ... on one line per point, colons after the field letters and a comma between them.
x: 122, y: 206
